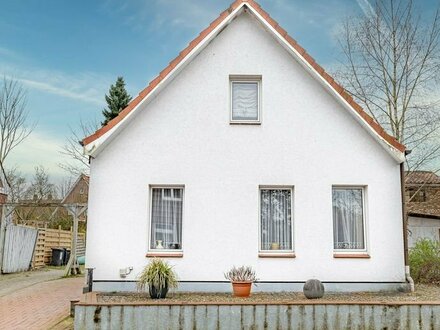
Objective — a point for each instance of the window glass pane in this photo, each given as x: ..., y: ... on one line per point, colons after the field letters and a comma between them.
x: 166, y: 218
x: 276, y: 219
x: 244, y: 101
x: 348, y: 219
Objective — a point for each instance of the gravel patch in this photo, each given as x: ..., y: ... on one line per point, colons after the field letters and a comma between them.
x: 424, y: 293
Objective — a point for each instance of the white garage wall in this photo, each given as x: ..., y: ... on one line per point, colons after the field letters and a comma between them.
x: 420, y: 228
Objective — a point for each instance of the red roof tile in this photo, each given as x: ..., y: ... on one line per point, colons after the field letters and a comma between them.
x: 112, y: 123
x: 422, y: 177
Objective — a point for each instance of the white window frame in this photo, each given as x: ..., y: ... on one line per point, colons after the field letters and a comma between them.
x: 364, y: 218
x: 245, y: 79
x: 292, y: 208
x: 150, y: 217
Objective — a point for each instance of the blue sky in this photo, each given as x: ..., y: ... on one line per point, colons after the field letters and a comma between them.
x: 67, y: 53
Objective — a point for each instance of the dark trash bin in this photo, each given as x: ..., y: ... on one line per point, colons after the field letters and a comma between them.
x: 57, y: 256
x: 66, y: 256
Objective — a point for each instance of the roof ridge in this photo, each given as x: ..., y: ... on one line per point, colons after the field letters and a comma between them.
x: 292, y: 42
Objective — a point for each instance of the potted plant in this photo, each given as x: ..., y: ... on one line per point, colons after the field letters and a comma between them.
x: 241, y: 279
x: 159, y: 276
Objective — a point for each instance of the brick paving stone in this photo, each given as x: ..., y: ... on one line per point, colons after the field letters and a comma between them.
x: 12, y: 282
x: 39, y: 306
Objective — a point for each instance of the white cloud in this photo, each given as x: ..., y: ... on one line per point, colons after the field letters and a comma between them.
x: 366, y: 8
x: 87, y: 87
x: 38, y: 149
x: 48, y: 88
x: 138, y: 14
x: 7, y: 52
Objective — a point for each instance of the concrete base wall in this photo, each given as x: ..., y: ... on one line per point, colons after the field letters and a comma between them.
x: 379, y: 316
x: 110, y: 286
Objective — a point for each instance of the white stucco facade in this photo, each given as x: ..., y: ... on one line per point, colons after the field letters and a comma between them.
x: 183, y: 137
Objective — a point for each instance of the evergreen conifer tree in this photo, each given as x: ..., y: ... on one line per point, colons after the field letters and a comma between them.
x: 117, y: 99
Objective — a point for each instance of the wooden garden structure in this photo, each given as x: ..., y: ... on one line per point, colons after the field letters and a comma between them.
x: 74, y: 209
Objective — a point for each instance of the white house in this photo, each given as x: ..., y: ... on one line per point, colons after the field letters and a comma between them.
x: 244, y: 151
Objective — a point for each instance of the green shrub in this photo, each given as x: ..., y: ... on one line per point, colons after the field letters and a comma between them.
x: 424, y: 261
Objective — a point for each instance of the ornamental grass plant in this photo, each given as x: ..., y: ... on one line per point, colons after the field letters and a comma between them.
x: 158, y: 274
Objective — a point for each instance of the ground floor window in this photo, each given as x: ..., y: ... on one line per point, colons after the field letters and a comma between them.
x: 276, y: 219
x: 166, y: 218
x: 348, y: 218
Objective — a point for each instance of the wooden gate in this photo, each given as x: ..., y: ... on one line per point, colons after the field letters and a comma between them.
x: 19, y: 248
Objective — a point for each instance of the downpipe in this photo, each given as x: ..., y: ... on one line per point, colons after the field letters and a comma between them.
x: 409, y: 279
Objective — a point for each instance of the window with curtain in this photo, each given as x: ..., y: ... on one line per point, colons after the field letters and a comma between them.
x: 245, y: 101
x: 348, y: 218
x: 166, y: 218
x: 276, y: 219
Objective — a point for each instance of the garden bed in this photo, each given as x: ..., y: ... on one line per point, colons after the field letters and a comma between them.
x: 424, y: 293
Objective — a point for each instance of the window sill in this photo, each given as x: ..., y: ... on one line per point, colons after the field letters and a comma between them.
x: 352, y: 255
x: 245, y: 122
x: 277, y: 255
x: 154, y: 254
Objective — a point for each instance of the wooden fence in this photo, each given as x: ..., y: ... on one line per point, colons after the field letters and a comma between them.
x: 54, y: 238
x: 19, y: 245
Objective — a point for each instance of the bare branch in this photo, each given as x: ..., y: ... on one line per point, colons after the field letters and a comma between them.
x: 14, y: 128
x: 79, y: 163
x: 392, y: 68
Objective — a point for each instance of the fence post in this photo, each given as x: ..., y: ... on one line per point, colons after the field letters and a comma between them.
x: 59, y: 235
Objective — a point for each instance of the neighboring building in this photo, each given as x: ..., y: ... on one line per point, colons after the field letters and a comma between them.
x: 244, y: 151
x: 79, y: 192
x: 423, y: 196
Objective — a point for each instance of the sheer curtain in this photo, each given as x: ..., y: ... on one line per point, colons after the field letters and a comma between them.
x: 348, y: 222
x: 276, y: 219
x: 244, y: 101
x: 166, y: 218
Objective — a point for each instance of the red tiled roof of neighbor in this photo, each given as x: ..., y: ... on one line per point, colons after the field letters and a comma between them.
x: 375, y: 126
x: 422, y: 177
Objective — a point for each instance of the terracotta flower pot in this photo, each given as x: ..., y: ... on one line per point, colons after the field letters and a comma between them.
x: 242, y: 289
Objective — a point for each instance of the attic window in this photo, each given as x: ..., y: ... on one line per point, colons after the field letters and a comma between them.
x: 245, y: 99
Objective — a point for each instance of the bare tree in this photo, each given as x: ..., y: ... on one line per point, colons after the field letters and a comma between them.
x: 41, y: 188
x: 18, y: 185
x: 79, y: 163
x: 392, y: 68
x: 64, y: 186
x: 13, y: 116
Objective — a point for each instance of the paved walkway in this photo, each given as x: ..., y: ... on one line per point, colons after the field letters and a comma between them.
x: 12, y: 282
x: 39, y: 305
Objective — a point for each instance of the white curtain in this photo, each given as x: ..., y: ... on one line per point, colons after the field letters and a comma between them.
x: 245, y: 101
x: 276, y: 222
x: 166, y: 218
x: 348, y: 226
